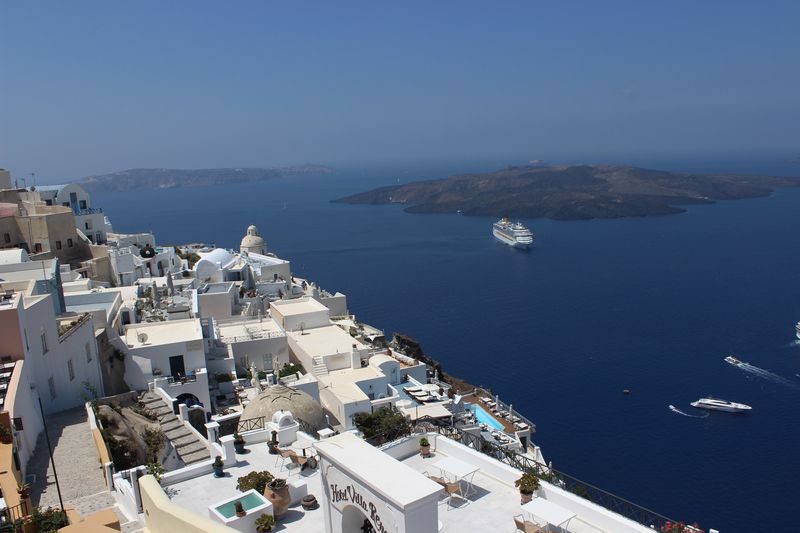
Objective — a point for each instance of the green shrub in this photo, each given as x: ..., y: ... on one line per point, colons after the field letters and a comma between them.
x: 385, y: 424
x: 154, y: 439
x: 290, y: 369
x: 254, y: 480
x: 49, y: 520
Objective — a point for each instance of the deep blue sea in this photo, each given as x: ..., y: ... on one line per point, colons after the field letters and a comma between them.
x: 648, y: 304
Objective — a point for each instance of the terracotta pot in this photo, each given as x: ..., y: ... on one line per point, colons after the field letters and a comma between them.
x: 425, y: 451
x: 280, y: 500
x: 525, y: 498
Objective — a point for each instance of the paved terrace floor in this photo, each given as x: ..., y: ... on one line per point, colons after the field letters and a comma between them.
x: 491, y: 505
x: 198, y: 494
x: 490, y: 508
x: 79, y: 473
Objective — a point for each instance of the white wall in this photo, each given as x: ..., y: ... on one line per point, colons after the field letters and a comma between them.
x: 218, y: 305
x: 142, y: 360
x: 254, y: 351
x: 38, y: 318
x: 22, y: 402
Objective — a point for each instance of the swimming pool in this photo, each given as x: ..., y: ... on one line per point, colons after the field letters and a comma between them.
x: 249, y: 501
x: 483, y: 417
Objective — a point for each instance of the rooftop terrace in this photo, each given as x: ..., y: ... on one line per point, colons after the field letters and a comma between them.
x: 490, y: 499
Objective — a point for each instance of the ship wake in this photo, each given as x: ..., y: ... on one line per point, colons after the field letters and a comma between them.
x: 766, y: 374
x: 676, y: 410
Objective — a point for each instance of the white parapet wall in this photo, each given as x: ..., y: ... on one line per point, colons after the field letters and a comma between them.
x: 163, y: 516
x: 595, y: 514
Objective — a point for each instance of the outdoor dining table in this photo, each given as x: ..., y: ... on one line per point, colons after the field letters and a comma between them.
x: 459, y: 470
x: 548, y: 511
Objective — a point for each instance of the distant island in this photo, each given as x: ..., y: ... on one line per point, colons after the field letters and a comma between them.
x: 570, y: 192
x: 138, y: 179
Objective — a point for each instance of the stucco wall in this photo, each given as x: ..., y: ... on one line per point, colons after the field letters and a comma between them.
x: 163, y: 516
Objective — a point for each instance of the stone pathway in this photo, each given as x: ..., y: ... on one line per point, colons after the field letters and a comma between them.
x: 80, y: 475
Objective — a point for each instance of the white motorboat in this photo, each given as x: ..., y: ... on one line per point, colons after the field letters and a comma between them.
x: 797, y: 330
x: 715, y: 404
x: 732, y: 360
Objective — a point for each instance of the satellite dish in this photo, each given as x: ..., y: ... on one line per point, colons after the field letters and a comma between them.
x: 142, y: 337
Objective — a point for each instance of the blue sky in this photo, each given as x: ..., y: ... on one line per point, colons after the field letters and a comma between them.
x: 93, y: 87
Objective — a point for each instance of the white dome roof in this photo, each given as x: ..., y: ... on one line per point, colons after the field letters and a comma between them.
x: 217, y: 256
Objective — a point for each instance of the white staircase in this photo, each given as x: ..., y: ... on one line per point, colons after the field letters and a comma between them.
x: 319, y: 368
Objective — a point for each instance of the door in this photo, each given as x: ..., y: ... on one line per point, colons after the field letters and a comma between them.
x: 176, y: 368
x: 73, y: 201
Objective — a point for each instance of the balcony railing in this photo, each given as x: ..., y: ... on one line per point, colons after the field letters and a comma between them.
x: 596, y: 495
x: 88, y: 211
x: 65, y: 330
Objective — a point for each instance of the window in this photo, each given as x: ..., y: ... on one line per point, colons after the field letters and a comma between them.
x: 71, y: 369
x: 87, y: 224
x: 69, y: 243
x: 65, y: 204
x: 6, y: 238
x: 82, y: 203
x: 44, y: 341
x: 48, y: 202
x: 37, y: 248
x: 52, y: 386
x: 58, y: 245
x: 88, y: 353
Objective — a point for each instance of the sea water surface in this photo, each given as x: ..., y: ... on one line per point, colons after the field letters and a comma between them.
x: 647, y: 304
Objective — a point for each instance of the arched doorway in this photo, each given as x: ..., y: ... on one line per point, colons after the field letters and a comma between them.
x: 189, y: 399
x: 355, y: 521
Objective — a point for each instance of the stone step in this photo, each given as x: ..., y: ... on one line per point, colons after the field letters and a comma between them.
x: 195, y: 457
x: 182, y: 442
x: 192, y: 451
x: 177, y: 433
x: 168, y: 424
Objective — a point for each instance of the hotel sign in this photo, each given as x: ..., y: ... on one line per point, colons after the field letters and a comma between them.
x: 344, y: 491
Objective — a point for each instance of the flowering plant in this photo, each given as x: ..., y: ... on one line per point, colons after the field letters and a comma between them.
x: 680, y: 527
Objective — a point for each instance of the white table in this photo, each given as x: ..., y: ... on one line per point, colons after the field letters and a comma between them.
x: 459, y: 470
x: 548, y: 511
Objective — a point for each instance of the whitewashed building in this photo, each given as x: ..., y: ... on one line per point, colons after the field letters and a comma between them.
x: 89, y: 220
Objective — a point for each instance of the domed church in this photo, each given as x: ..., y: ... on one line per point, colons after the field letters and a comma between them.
x: 252, y: 243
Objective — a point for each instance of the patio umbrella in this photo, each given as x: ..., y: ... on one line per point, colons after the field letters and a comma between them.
x: 510, y: 412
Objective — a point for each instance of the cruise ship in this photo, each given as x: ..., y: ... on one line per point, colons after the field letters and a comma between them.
x: 513, y: 234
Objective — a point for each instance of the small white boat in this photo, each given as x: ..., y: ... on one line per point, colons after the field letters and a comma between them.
x: 797, y: 330
x: 732, y: 360
x: 715, y: 404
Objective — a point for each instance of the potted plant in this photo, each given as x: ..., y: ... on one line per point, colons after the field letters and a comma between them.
x: 22, y: 490
x: 527, y: 485
x: 424, y: 447
x: 240, y: 512
x: 238, y: 443
x: 5, y: 435
x: 264, y: 523
x: 217, y: 466
x: 277, y: 492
